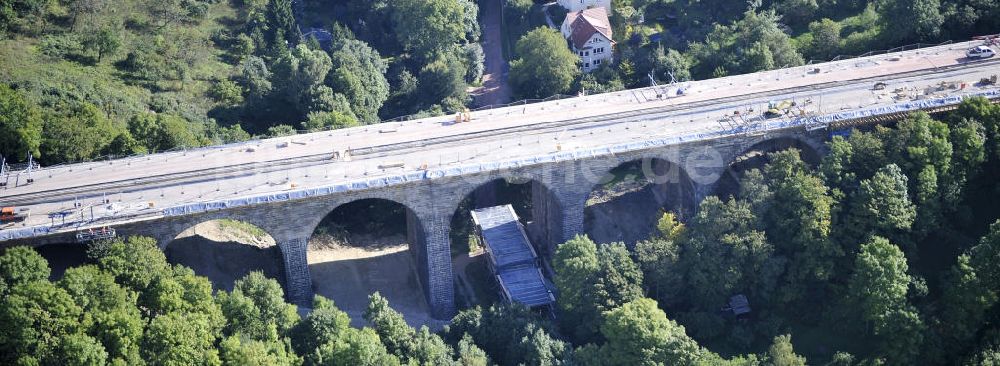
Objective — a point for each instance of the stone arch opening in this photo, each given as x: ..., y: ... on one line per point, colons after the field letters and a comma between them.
x: 537, y: 209
x: 63, y: 256
x: 225, y: 250
x: 370, y: 245
x: 755, y: 157
x: 625, y: 204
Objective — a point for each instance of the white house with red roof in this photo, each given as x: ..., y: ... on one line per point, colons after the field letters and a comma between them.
x: 577, y: 5
x: 589, y: 34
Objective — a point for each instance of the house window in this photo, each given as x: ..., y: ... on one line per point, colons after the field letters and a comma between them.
x: 581, y: 53
x: 586, y: 65
x: 586, y: 53
x: 597, y: 62
x: 599, y: 50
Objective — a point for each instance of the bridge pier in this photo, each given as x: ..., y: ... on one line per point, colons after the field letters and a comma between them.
x: 436, y: 253
x: 298, y: 283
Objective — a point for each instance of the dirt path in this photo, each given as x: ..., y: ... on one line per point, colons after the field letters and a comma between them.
x: 347, y: 274
x: 495, y: 89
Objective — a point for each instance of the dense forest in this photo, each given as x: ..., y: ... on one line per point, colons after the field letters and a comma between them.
x: 886, y: 253
x: 88, y: 79
x: 690, y: 40
x: 85, y: 79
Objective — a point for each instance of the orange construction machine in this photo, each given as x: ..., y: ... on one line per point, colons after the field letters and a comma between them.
x: 13, y: 214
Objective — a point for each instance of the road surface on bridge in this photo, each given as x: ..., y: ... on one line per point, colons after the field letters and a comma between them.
x: 142, y: 186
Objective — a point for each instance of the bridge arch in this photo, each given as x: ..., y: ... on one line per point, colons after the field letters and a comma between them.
x: 368, y: 244
x: 627, y: 200
x: 755, y: 157
x: 225, y: 250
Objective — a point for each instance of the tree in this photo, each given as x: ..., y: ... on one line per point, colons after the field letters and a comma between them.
x: 135, y: 262
x: 34, y: 317
x: 639, y: 333
x: 20, y: 124
x: 179, y: 338
x: 781, y: 352
x: 592, y: 280
x: 442, y: 78
x: 359, y: 74
x: 826, y: 41
x: 80, y: 349
x: 725, y: 254
x: 281, y: 31
x: 234, y: 351
x: 390, y: 325
x: 116, y: 323
x: 882, y: 205
x: 20, y: 265
x: 798, y: 220
x: 298, y: 73
x: 835, y: 168
x: 105, y: 42
x: 909, y: 20
x: 256, y: 309
x: 754, y: 43
x: 879, y: 282
x: 427, y: 27
x: 510, y: 335
x: 469, y: 354
x: 321, y: 121
x: 545, y: 66
x: 76, y: 133
x: 325, y: 324
x: 357, y: 347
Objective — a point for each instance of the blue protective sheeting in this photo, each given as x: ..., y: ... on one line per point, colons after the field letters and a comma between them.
x: 504, y: 236
x: 512, y: 258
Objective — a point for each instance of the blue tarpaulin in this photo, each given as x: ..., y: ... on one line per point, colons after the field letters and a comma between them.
x: 511, y: 256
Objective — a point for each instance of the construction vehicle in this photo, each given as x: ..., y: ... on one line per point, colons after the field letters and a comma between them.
x: 13, y: 214
x: 992, y: 80
x: 463, y: 116
x: 778, y: 109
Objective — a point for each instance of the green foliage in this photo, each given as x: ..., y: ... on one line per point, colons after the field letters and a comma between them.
x: 20, y: 125
x: 910, y: 20
x: 754, y: 43
x: 256, y: 309
x: 390, y: 325
x: 76, y: 133
x: 235, y: 351
x: 639, y: 333
x: 882, y: 205
x: 427, y: 27
x: 592, y: 279
x: 545, y: 66
x: 782, y: 353
x: 359, y: 74
x: 178, y: 338
x: 20, y: 265
x: 357, y: 347
x: 879, y: 282
x: 798, y: 220
x: 135, y: 262
x: 34, y: 318
x: 441, y: 79
x: 510, y: 335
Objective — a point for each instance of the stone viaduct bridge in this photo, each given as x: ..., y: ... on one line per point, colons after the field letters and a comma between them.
x: 686, y: 146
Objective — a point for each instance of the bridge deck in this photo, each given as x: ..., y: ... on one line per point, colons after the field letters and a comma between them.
x: 139, y: 188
